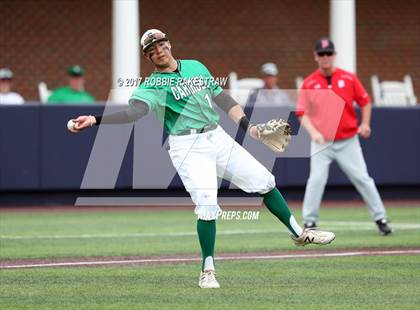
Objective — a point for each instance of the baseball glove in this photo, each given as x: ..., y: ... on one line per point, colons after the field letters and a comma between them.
x: 275, y: 134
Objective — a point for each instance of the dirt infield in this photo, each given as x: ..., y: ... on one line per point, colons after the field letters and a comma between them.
x: 174, y: 259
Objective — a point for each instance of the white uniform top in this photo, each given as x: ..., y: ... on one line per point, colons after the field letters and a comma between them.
x: 11, y: 98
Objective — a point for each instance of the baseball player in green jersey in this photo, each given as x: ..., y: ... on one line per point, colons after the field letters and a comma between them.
x: 182, y: 94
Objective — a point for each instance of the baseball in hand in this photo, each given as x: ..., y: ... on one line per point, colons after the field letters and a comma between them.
x: 70, y: 124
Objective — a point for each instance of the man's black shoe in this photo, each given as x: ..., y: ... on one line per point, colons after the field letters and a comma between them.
x: 383, y: 227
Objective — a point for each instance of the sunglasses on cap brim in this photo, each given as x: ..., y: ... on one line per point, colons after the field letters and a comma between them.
x: 155, y: 38
x: 321, y: 54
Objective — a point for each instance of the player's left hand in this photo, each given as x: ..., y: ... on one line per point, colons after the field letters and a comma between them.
x: 275, y: 134
x: 364, y: 131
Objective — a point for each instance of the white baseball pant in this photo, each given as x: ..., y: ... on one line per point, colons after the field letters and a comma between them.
x: 200, y: 158
x: 349, y: 156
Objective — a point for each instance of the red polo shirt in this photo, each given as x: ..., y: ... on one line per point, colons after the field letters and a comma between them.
x: 330, y: 107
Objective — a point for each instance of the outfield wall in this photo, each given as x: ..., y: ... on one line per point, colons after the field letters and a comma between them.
x: 38, y: 153
x: 230, y: 36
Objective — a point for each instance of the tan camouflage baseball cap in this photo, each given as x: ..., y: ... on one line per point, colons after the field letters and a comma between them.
x: 150, y: 37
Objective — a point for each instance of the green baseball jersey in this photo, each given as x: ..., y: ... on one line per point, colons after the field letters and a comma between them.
x: 66, y: 95
x: 181, y: 99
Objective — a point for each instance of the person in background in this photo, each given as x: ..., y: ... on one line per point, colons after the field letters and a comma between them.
x: 75, y: 92
x: 325, y: 109
x: 6, y: 94
x: 269, y: 94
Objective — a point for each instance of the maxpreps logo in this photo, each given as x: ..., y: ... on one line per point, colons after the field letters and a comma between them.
x: 239, y: 215
x: 231, y: 215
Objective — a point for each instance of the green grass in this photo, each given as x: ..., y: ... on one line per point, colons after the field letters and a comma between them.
x: 390, y: 282
x: 376, y: 282
x: 105, y: 233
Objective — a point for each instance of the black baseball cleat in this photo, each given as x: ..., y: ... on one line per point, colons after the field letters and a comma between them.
x: 383, y: 227
x: 310, y: 225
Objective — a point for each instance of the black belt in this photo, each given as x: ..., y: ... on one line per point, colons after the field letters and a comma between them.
x: 200, y: 130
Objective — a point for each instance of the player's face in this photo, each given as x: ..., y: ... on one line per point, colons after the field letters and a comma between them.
x: 76, y: 83
x: 160, y: 54
x: 5, y: 85
x: 270, y: 81
x: 325, y: 60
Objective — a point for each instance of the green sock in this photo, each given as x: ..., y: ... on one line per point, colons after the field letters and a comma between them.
x: 278, y: 206
x: 207, y: 236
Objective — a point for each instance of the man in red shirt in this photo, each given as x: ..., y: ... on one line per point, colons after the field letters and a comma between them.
x: 325, y: 109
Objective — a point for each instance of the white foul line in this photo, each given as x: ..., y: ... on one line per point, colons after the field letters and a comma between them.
x: 333, y: 225
x: 180, y: 260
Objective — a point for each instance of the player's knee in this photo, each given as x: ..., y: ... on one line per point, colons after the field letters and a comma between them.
x: 363, y: 179
x: 266, y: 183
x: 271, y: 183
x: 206, y: 205
x: 318, y: 178
x: 208, y: 213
